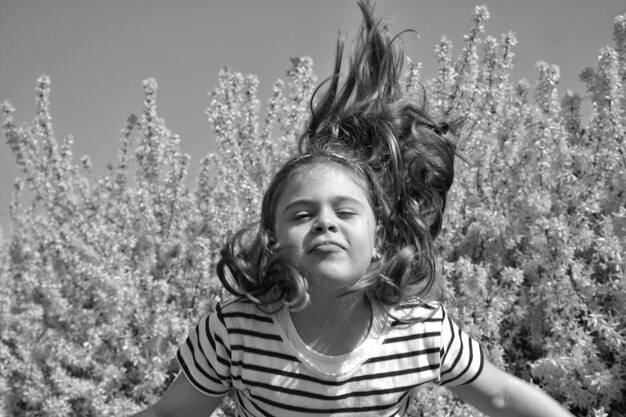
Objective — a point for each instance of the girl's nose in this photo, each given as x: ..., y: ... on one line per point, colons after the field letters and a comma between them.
x: 324, y: 223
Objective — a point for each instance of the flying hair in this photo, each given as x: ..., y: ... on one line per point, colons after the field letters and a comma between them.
x: 365, y: 122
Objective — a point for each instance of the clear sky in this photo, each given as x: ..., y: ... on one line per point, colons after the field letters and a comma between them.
x: 98, y: 52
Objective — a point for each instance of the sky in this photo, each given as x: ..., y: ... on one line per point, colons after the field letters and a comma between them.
x: 97, y: 53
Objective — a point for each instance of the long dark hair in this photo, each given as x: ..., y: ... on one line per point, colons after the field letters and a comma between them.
x: 254, y: 265
x: 402, y: 151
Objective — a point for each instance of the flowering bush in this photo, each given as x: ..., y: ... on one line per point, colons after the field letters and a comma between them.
x: 102, y: 277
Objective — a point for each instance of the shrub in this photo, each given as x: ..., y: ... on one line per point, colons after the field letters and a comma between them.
x: 102, y: 276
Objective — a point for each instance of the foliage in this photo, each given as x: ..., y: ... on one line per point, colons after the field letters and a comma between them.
x: 102, y: 277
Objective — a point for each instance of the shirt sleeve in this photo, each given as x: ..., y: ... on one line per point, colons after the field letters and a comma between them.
x: 461, y: 357
x: 205, y: 355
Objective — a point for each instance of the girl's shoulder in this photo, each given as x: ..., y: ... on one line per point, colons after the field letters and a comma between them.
x: 418, y: 312
x: 242, y: 308
x: 234, y: 303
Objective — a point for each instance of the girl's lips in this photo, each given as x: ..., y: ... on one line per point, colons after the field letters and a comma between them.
x: 326, y: 246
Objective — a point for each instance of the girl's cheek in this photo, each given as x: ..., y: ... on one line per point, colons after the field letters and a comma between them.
x: 288, y: 236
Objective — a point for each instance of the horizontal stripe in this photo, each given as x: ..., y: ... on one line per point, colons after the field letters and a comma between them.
x: 240, y: 346
x: 249, y: 316
x: 254, y: 333
x: 343, y: 410
x: 271, y: 372
x: 408, y: 322
x: 327, y: 397
x: 317, y: 410
x: 263, y: 352
x: 412, y: 336
x: 403, y: 355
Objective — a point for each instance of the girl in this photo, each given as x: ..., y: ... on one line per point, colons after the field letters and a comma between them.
x: 329, y: 315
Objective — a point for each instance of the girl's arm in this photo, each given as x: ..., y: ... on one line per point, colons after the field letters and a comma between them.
x: 182, y: 399
x: 497, y: 393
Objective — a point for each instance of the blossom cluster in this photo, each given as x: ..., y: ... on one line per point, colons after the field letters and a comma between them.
x: 102, y: 276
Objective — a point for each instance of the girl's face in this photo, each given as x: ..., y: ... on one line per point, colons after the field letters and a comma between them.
x: 325, y: 216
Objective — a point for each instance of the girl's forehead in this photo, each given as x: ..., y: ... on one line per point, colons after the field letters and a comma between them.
x: 328, y: 179
x: 328, y: 171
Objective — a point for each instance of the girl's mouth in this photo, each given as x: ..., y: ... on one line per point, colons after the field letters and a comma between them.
x: 326, y: 246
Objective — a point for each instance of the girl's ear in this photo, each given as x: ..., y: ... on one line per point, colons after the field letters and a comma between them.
x: 270, y: 238
x: 378, y: 240
x: 380, y: 235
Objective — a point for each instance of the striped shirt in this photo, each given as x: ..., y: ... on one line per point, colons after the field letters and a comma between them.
x: 272, y: 372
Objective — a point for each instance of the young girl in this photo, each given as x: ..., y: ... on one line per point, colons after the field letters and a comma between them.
x: 330, y: 314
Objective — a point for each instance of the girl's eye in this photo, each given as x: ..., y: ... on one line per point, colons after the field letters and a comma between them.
x: 345, y: 213
x: 302, y: 216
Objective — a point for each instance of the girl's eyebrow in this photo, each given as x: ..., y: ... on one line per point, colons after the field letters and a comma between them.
x: 335, y: 200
